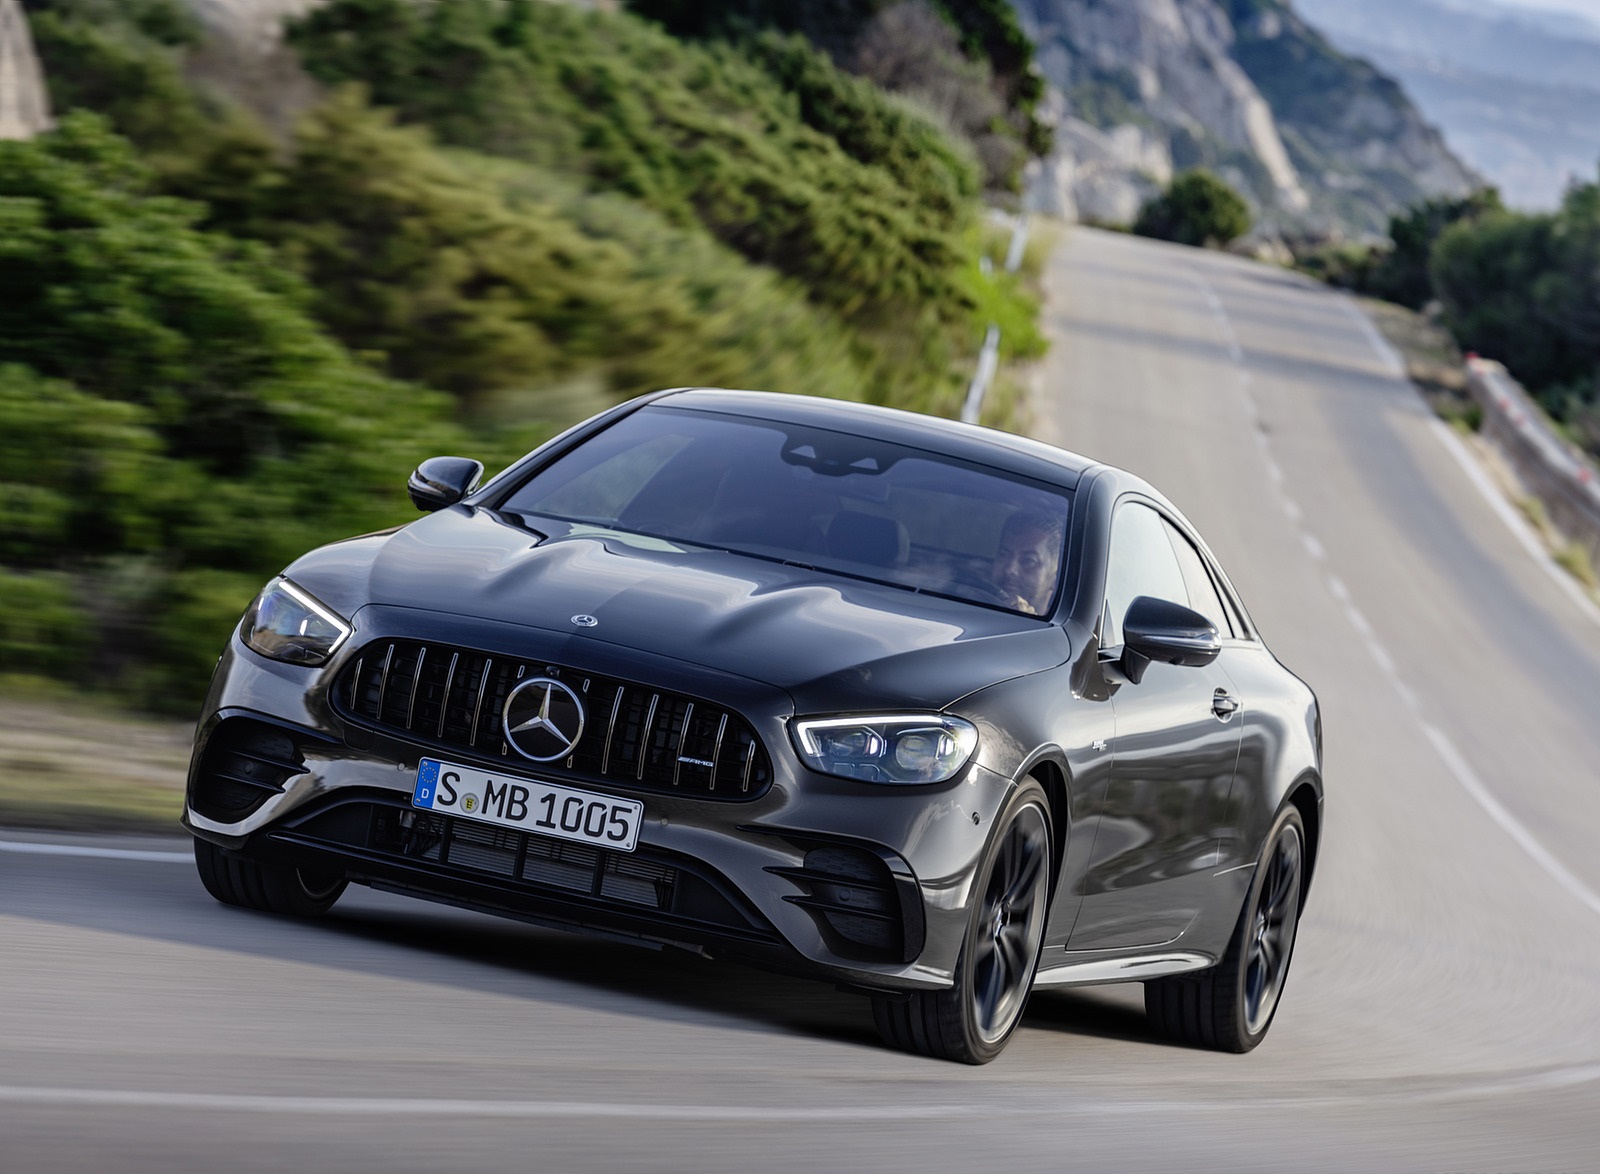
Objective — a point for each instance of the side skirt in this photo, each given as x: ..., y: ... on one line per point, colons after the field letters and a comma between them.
x: 1125, y: 969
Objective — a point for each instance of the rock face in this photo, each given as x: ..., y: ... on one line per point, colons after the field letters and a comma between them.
x: 24, y: 108
x: 1317, y: 141
x: 1516, y: 90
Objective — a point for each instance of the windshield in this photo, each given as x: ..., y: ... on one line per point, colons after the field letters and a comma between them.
x: 821, y: 499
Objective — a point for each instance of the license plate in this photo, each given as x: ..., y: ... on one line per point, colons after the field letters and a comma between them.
x: 528, y: 805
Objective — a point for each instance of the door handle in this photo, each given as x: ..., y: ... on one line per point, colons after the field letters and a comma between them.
x: 1223, y: 704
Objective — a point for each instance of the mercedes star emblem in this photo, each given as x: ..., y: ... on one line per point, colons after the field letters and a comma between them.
x: 585, y: 621
x: 544, y: 719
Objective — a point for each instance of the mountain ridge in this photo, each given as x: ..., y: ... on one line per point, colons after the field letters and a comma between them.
x: 1518, y: 93
x: 1319, y: 142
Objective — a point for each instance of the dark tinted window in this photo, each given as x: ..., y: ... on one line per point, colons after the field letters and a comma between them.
x: 825, y: 499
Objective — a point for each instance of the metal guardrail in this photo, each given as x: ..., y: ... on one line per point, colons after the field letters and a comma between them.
x: 989, y: 354
x: 1555, y: 472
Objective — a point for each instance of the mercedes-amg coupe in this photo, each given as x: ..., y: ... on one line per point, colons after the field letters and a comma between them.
x: 937, y: 713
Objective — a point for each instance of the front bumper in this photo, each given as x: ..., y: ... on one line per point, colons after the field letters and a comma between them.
x: 865, y: 884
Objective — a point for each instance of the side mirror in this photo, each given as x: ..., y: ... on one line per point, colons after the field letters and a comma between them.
x: 1158, y: 630
x: 442, y: 481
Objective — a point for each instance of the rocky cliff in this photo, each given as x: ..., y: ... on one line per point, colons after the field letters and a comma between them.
x: 1318, y: 141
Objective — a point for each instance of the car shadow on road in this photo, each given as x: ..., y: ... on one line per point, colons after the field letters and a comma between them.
x: 397, y: 938
x: 662, y: 984
x: 1103, y: 1013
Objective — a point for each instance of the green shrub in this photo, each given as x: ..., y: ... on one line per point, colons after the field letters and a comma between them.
x: 194, y: 614
x: 1400, y: 273
x: 1196, y: 209
x: 166, y: 410
x: 42, y: 628
x: 698, y: 133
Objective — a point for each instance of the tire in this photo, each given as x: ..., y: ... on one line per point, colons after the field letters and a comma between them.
x: 972, y: 1020
x: 1229, y: 1006
x: 282, y: 889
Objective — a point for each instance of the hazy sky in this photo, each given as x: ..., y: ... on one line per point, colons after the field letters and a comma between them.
x: 1589, y: 8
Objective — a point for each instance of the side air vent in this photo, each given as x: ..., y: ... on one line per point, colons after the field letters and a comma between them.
x: 864, y: 909
x: 244, y: 764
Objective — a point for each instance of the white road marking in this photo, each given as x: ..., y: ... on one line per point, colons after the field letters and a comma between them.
x: 1385, y: 661
x: 28, y: 848
x: 1391, y: 360
x: 1454, y: 762
x: 1519, y: 527
x: 1474, y: 786
x: 1379, y: 1091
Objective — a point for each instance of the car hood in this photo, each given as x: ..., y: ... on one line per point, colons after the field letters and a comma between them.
x: 833, y: 643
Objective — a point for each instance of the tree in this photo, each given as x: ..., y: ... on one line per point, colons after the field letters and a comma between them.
x: 1400, y: 274
x: 1525, y: 289
x: 1196, y: 209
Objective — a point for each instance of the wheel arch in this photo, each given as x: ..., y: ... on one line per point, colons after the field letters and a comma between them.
x: 1306, y: 795
x: 1048, y: 767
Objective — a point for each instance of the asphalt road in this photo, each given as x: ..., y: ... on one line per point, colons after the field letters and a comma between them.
x: 1444, y: 1009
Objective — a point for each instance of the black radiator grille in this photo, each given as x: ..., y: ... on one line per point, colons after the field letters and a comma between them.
x: 385, y: 843
x: 535, y: 860
x: 454, y: 698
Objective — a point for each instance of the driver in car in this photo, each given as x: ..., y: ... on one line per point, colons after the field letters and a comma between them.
x: 1025, y: 565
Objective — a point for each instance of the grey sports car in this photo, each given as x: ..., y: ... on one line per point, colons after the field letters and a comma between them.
x: 937, y: 713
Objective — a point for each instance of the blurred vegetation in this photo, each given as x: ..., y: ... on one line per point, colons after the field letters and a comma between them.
x: 967, y: 60
x: 1196, y: 209
x: 173, y: 425
x: 1523, y: 288
x: 222, y: 345
x: 863, y: 210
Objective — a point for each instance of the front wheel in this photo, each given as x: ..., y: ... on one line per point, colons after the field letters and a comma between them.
x: 972, y: 1021
x: 285, y: 889
x: 1229, y: 1007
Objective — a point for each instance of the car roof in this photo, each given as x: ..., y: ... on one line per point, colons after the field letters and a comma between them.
x: 989, y: 446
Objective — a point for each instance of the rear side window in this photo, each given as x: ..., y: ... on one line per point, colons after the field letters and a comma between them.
x: 1203, y: 595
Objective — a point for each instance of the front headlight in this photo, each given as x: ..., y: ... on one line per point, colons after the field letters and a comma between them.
x: 905, y: 748
x: 287, y: 623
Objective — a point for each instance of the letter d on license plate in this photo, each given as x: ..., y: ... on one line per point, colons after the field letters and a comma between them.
x: 528, y: 805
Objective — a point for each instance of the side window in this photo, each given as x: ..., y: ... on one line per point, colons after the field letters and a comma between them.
x: 1241, y: 629
x: 1203, y: 595
x: 1142, y: 563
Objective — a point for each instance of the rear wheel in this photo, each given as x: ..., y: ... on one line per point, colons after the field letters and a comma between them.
x: 1230, y: 1006
x: 972, y: 1021
x: 273, y: 888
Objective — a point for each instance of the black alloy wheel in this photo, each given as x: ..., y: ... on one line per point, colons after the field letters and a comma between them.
x: 272, y: 888
x: 972, y: 1020
x: 1229, y: 1007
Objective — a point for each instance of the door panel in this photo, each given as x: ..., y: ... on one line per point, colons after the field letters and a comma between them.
x: 1173, y: 760
x: 1155, y: 848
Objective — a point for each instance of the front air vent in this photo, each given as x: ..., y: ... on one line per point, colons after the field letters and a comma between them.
x: 245, y: 763
x: 863, y: 908
x: 453, y: 699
